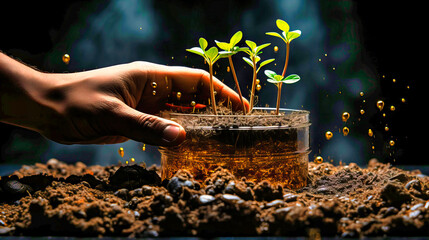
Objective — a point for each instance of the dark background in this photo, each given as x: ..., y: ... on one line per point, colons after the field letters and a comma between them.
x: 390, y: 34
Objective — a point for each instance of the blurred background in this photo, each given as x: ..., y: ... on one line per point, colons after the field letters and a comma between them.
x: 346, y: 47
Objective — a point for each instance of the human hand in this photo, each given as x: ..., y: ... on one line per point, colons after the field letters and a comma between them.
x: 114, y: 104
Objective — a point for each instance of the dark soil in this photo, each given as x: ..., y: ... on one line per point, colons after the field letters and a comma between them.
x: 56, y: 199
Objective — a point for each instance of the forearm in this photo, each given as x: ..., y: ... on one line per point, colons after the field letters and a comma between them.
x: 21, y: 89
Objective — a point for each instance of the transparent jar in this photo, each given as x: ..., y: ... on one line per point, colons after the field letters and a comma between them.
x: 261, y: 146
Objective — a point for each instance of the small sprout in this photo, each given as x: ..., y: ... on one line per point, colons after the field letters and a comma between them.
x: 253, y: 51
x: 287, y: 36
x: 210, y: 56
x: 229, y: 50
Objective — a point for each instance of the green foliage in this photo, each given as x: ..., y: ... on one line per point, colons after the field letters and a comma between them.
x: 253, y: 51
x: 277, y: 79
x: 286, y: 35
x: 231, y: 48
x: 211, y: 55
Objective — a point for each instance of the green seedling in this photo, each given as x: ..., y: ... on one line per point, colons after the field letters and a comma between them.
x: 210, y: 56
x: 229, y: 50
x: 287, y: 36
x: 253, y: 51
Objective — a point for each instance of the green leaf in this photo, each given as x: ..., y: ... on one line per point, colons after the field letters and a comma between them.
x: 259, y: 48
x: 248, y: 61
x: 225, y: 54
x: 278, y: 78
x: 265, y: 63
x: 236, y: 38
x: 223, y: 45
x: 293, y: 34
x: 270, y: 73
x: 251, y: 44
x: 203, y: 43
x: 293, y: 78
x: 275, y: 35
x: 212, y: 53
x: 272, y: 81
x: 197, y: 51
x: 282, y: 25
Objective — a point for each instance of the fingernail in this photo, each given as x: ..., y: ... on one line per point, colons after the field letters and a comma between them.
x: 170, y: 133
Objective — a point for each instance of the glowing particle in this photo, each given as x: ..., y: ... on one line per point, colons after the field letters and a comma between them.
x: 154, y: 92
x: 320, y: 59
x: 132, y: 160
x: 392, y: 143
x: 383, y: 76
x: 386, y: 128
x: 258, y: 87
x: 257, y: 81
x: 178, y: 95
x: 193, y: 103
x: 361, y: 94
x: 121, y: 152
x: 362, y: 112
x: 333, y: 69
x: 394, y: 80
x: 384, y: 114
x: 380, y: 105
x: 326, y: 54
x: 141, y: 28
x: 126, y: 162
x: 144, y: 147
x: 392, y: 108
x: 403, y: 100
x: 328, y: 135
x: 346, y: 131
x: 66, y: 58
x: 276, y: 49
x: 345, y: 116
x: 228, y: 69
x: 318, y: 160
x: 154, y: 84
x: 370, y: 132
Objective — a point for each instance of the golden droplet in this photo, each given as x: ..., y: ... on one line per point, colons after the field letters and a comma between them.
x: 258, y: 87
x: 333, y: 69
x: 178, y: 95
x: 361, y: 94
x: 394, y: 80
x: 370, y: 132
x: 326, y: 54
x: 121, y: 152
x: 144, y: 147
x: 228, y: 69
x: 386, y: 128
x: 257, y: 81
x: 132, y: 160
x: 153, y: 84
x: 154, y: 92
x: 345, y: 116
x: 380, y: 105
x: 276, y: 49
x: 346, y: 131
x: 392, y: 108
x: 318, y: 160
x: 403, y: 100
x: 392, y: 143
x: 362, y: 112
x: 66, y: 58
x: 328, y: 135
x: 193, y: 103
x: 172, y: 58
x: 126, y: 162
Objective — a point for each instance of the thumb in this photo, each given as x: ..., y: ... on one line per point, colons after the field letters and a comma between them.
x: 147, y: 128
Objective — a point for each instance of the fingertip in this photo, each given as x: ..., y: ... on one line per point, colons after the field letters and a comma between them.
x: 173, y: 135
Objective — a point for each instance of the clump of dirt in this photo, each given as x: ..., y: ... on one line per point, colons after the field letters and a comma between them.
x: 57, y: 199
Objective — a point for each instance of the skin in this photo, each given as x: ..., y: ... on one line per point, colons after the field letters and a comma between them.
x: 103, y: 106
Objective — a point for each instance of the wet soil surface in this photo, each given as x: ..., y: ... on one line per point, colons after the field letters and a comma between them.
x: 56, y: 199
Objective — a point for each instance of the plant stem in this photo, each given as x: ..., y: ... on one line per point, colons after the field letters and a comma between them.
x: 252, y: 93
x: 287, y: 60
x: 279, y: 92
x: 212, y: 96
x: 236, y: 83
